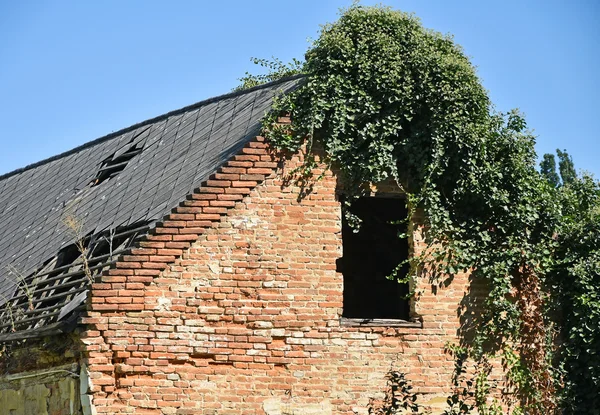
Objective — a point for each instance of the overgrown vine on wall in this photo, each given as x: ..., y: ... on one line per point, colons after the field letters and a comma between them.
x: 387, y: 98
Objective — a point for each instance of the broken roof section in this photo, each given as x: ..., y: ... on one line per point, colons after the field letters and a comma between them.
x: 114, y: 187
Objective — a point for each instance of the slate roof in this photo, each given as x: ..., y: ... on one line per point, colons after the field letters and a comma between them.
x: 162, y: 160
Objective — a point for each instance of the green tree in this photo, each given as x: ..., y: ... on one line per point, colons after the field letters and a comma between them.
x: 548, y: 169
x: 566, y: 167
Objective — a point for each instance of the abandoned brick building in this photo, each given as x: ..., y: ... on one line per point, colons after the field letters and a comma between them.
x: 172, y: 268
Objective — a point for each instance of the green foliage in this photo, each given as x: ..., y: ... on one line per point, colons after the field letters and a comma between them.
x: 399, y: 396
x: 462, y: 400
x: 574, y: 284
x: 389, y: 98
x: 548, y: 169
x: 469, y: 391
x: 377, y: 114
x: 276, y: 69
x: 566, y: 167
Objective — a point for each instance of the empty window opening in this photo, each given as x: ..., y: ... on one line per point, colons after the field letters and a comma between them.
x: 114, y: 164
x: 371, y: 255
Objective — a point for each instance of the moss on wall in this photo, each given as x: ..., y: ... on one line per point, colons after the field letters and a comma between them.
x: 52, y: 391
x: 39, y: 354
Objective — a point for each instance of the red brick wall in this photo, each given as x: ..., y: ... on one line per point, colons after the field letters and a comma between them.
x: 233, y: 306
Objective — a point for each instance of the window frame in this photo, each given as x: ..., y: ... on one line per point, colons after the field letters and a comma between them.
x: 414, y: 321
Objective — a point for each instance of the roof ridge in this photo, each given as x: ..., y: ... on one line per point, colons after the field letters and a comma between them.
x: 148, y: 121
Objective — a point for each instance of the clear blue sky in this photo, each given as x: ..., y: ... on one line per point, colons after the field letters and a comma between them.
x: 72, y: 71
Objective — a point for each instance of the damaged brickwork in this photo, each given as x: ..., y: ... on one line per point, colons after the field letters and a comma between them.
x: 233, y: 305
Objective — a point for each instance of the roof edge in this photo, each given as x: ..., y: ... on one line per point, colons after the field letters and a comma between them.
x: 146, y: 122
x: 154, y: 234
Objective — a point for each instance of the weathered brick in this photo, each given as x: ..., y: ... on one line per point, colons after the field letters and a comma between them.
x: 246, y: 293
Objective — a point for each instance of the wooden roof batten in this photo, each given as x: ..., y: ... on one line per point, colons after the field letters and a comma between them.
x: 45, y: 300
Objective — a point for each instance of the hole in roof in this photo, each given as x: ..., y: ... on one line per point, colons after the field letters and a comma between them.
x: 42, y: 297
x: 116, y: 163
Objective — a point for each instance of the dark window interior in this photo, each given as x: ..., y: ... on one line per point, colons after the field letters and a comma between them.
x: 370, y: 255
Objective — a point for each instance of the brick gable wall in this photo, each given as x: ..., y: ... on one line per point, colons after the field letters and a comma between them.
x: 232, y: 306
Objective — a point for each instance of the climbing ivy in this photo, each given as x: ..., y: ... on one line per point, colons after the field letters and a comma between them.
x: 574, y: 284
x: 387, y: 98
x: 276, y: 69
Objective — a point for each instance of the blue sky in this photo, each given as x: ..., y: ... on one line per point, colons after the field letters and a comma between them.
x: 72, y: 71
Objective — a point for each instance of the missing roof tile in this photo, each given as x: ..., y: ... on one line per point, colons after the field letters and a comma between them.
x: 58, y: 287
x: 115, y: 164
